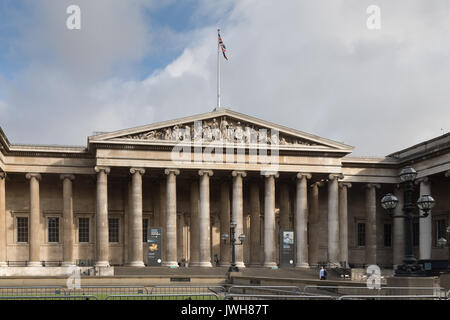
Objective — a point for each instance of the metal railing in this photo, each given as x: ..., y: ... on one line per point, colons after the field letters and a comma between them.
x: 103, y: 291
x: 173, y: 296
x: 48, y: 297
x: 33, y: 291
x: 234, y: 296
x: 266, y: 290
x: 390, y: 297
x: 187, y: 290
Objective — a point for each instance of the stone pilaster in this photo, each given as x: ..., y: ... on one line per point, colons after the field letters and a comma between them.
x: 343, y: 221
x: 195, y: 225
x: 371, y: 223
x: 102, y: 243
x: 269, y: 220
x: 205, y: 219
x: 35, y: 224
x: 425, y: 224
x: 135, y: 258
x: 68, y: 226
x: 314, y: 223
x: 3, y: 258
x: 333, y: 219
x: 238, y: 213
x: 171, y: 218
x: 255, y: 225
x: 398, y: 239
x: 225, y: 248
x: 301, y: 220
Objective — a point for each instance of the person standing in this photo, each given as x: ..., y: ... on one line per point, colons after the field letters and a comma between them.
x: 323, y: 273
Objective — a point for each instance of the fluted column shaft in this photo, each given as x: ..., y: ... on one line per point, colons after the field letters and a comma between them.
x: 398, y: 245
x: 102, y: 243
x: 205, y: 219
x: 225, y: 248
x: 301, y: 221
x: 35, y: 224
x: 67, y: 220
x: 371, y: 223
x: 195, y: 225
x: 333, y: 219
x: 135, y: 258
x: 314, y: 222
x: 269, y: 220
x: 343, y: 221
x: 3, y: 257
x: 425, y: 224
x: 255, y: 225
x: 171, y: 218
x: 238, y: 213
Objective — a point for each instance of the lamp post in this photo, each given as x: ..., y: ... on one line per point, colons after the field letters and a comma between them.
x: 442, y: 242
x: 424, y: 203
x: 233, y: 267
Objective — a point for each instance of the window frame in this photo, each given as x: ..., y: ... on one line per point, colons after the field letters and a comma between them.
x: 58, y: 230
x: 16, y: 229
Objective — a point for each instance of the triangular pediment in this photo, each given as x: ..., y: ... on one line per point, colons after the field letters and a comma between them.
x: 221, y: 126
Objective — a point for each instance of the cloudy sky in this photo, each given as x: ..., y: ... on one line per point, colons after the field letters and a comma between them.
x: 310, y: 65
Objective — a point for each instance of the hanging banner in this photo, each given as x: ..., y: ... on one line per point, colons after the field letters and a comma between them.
x: 154, y: 247
x: 286, y: 248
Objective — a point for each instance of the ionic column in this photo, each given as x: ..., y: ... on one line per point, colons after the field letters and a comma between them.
x: 285, y: 207
x: 2, y: 220
x: 225, y: 248
x: 425, y: 224
x: 35, y: 225
x: 314, y: 224
x: 205, y: 219
x: 255, y: 225
x: 135, y: 258
x: 333, y: 219
x: 195, y: 225
x: 371, y: 223
x: 301, y: 220
x: 343, y: 221
x: 102, y: 243
x: 398, y: 238
x: 269, y: 220
x: 238, y: 213
x: 67, y: 220
x: 171, y: 218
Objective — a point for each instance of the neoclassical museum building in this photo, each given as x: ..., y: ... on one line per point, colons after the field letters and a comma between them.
x: 192, y: 177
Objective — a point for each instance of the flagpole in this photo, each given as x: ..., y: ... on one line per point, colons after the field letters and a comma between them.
x: 218, y: 70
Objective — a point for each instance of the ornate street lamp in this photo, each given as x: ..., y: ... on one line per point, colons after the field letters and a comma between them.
x: 441, y: 244
x: 233, y: 267
x: 389, y: 202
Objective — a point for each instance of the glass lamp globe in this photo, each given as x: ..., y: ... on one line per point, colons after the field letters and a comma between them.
x: 389, y: 202
x: 224, y: 237
x: 408, y: 174
x: 441, y: 242
x: 242, y: 237
x: 425, y: 202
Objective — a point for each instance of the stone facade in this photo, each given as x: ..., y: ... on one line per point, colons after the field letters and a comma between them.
x: 132, y: 177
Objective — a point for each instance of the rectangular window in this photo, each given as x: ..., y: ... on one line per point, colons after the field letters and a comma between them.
x: 388, y: 235
x: 83, y: 230
x: 415, y: 234
x: 53, y: 229
x: 361, y: 234
x: 113, y: 224
x: 144, y: 230
x: 441, y: 226
x: 22, y: 229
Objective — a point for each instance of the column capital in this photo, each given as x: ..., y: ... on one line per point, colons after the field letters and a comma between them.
x: 203, y: 172
x: 2, y: 175
x: 373, y: 185
x: 336, y: 176
x: 33, y: 175
x: 67, y: 176
x: 140, y: 171
x: 107, y: 170
x: 174, y: 171
x: 240, y: 173
x: 447, y: 173
x: 268, y: 174
x: 301, y: 175
x: 317, y: 184
x: 345, y: 184
x: 422, y: 180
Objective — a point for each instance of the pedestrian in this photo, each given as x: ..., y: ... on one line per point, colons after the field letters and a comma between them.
x: 323, y: 273
x: 216, y: 260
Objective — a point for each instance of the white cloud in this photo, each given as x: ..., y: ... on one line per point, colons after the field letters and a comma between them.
x: 310, y: 65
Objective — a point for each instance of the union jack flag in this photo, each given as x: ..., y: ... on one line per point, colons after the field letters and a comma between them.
x: 224, y: 49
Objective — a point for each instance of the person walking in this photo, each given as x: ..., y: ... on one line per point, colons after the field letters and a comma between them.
x: 323, y: 273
